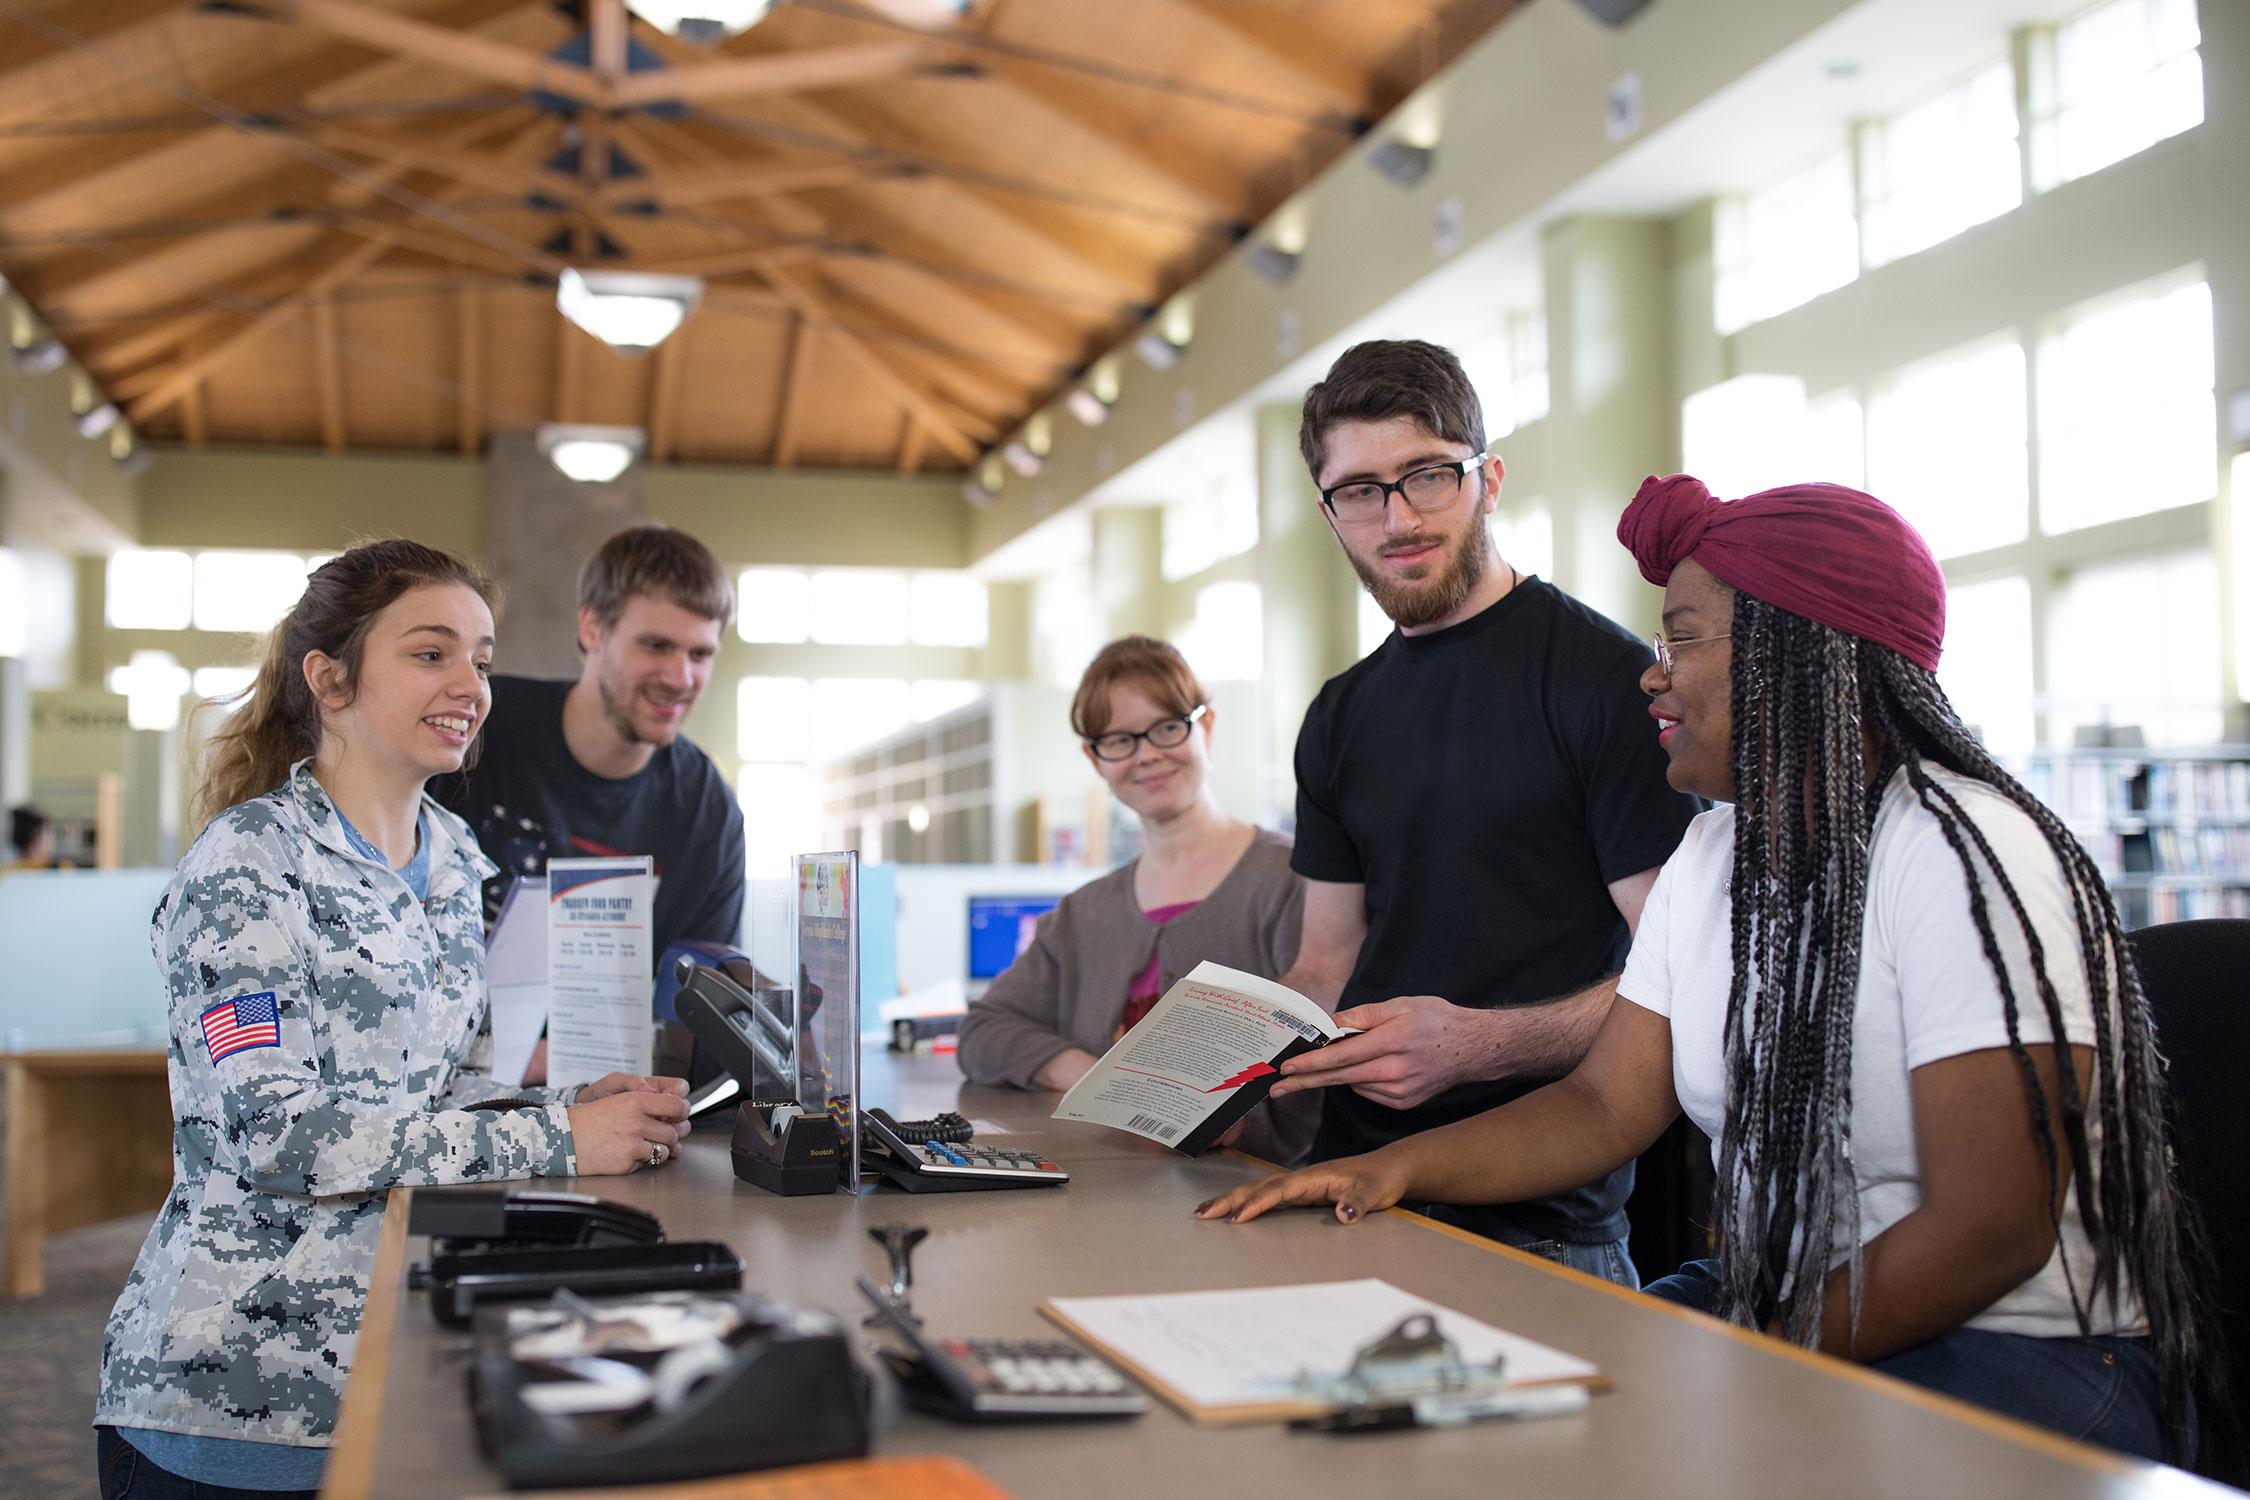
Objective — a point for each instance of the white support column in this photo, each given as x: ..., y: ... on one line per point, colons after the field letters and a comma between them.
x: 1615, y: 416
x: 1311, y: 601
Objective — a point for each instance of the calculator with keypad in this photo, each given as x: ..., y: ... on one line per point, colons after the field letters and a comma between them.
x: 943, y: 1156
x: 1001, y: 1380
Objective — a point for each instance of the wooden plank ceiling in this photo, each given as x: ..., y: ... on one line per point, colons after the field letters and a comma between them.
x: 338, y: 223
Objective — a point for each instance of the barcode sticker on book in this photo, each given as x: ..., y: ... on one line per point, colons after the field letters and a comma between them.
x: 1151, y: 1123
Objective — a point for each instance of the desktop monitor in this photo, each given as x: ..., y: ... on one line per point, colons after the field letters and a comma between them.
x: 1000, y: 927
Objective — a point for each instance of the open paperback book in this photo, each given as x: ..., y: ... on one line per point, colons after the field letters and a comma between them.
x: 1201, y: 1060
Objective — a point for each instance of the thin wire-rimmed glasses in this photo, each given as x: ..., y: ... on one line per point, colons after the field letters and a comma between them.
x: 1164, y: 734
x: 1431, y: 487
x: 1665, y: 648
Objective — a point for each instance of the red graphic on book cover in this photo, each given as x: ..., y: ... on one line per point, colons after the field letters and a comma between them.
x: 1250, y: 1074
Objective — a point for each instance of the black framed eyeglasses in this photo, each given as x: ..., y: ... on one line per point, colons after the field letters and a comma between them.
x: 1164, y: 734
x: 1431, y: 487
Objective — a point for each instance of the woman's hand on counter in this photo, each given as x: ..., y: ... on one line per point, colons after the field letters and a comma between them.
x: 1357, y: 1185
x: 628, y: 1128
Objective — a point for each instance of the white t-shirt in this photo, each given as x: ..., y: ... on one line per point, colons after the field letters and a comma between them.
x: 1926, y: 992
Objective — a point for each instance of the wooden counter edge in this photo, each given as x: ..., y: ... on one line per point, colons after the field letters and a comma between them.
x: 359, y: 1424
x: 2024, y: 1434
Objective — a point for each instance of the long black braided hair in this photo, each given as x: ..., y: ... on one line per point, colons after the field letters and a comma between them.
x: 1805, y: 697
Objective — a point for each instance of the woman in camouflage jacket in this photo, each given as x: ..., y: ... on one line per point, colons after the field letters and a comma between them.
x: 324, y: 956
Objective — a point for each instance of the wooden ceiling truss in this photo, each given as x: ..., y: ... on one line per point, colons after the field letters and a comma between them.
x: 338, y: 223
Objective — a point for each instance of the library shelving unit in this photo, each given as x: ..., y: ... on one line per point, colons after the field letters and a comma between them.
x: 2170, y: 829
x: 980, y: 781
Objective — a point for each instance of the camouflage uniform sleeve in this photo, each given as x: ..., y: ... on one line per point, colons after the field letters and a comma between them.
x: 473, y: 1083
x: 241, y: 927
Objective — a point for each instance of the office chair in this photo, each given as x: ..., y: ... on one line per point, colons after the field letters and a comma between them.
x: 2194, y: 976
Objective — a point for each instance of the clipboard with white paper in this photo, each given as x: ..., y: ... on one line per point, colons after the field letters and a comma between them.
x: 1228, y: 1358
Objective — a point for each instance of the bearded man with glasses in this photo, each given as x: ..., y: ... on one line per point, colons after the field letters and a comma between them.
x: 1480, y: 807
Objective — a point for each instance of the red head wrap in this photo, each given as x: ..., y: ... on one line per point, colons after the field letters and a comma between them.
x: 1833, y: 555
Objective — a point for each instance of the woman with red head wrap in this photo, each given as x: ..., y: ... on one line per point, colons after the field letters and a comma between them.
x: 1853, y: 977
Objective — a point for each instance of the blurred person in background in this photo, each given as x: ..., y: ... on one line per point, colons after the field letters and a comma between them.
x: 31, y: 838
x: 1206, y: 886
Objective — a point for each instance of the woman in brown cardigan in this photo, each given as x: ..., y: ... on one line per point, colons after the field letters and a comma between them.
x: 1207, y: 886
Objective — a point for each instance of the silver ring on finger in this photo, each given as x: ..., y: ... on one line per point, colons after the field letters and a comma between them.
x: 656, y: 1155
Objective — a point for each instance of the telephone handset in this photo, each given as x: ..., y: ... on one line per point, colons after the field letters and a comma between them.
x: 464, y: 1218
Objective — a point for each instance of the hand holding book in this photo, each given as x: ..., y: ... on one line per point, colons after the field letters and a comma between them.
x: 1205, y: 1056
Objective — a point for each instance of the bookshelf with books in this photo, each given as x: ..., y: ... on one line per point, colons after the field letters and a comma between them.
x: 2169, y: 829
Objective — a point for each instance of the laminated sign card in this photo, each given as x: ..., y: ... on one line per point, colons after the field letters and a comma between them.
x: 598, y: 967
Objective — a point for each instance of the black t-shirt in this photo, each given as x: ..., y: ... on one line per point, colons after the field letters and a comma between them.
x: 527, y: 799
x: 1486, y: 782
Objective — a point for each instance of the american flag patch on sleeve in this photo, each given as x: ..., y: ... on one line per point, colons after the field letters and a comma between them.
x: 233, y: 1026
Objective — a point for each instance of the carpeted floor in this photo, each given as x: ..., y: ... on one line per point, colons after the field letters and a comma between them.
x: 49, y: 1348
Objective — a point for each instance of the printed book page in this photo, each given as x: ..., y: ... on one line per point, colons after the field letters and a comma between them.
x: 1215, y: 1032
x: 1212, y: 1352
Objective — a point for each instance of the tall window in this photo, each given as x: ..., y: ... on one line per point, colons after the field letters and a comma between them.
x: 1835, y: 446
x: 848, y: 712
x: 1947, y: 445
x: 1227, y: 639
x: 2127, y: 419
x: 246, y: 590
x: 1525, y: 535
x: 2127, y: 75
x: 1986, y: 668
x: 1745, y: 434
x: 1204, y: 530
x: 858, y: 607
x: 1509, y: 372
x: 861, y: 607
x: 1374, y: 626
x: 1757, y: 431
x: 935, y: 697
x: 1942, y: 166
x: 217, y: 590
x: 773, y: 605
x: 1528, y: 392
x: 771, y: 717
x: 15, y: 604
x: 947, y: 609
x: 150, y: 590
x: 224, y: 682
x: 1067, y: 624
x: 780, y: 816
x: 2137, y: 642
x: 1786, y: 244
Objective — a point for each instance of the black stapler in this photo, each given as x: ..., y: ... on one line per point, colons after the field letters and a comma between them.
x: 778, y: 1144
x: 497, y: 1245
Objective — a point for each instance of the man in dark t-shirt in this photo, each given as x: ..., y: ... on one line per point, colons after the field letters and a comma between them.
x: 598, y: 766
x: 1481, y: 802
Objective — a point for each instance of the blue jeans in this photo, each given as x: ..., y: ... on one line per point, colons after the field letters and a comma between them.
x: 2098, y: 1389
x: 1609, y: 1259
x: 123, y: 1472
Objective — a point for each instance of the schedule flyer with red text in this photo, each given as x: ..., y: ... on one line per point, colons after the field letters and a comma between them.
x: 1198, y: 1062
